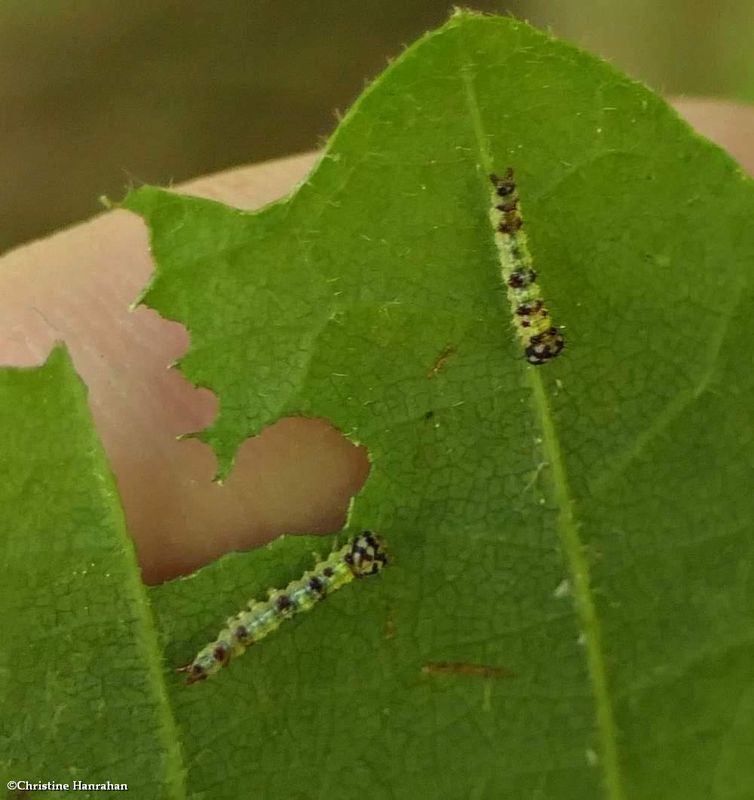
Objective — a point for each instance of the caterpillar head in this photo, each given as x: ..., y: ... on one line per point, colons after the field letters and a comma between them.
x: 367, y: 555
x: 543, y: 347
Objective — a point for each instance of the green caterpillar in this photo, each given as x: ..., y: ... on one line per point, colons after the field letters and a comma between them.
x: 364, y: 555
x: 542, y: 341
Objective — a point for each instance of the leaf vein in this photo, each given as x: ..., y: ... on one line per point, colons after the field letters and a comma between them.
x: 568, y: 527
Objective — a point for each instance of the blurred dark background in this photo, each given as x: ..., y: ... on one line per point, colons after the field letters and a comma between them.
x: 96, y: 94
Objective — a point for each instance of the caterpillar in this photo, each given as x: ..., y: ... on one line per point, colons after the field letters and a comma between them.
x: 542, y: 341
x: 364, y: 555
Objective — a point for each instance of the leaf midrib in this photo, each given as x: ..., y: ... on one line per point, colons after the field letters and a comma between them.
x: 573, y: 549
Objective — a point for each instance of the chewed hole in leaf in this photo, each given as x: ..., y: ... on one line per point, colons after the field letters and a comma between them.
x: 297, y: 476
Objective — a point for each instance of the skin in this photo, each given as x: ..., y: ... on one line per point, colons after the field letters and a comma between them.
x: 297, y: 476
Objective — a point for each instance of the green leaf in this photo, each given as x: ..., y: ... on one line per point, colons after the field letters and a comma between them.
x: 81, y: 687
x: 601, y: 473
x: 618, y: 473
x: 583, y: 525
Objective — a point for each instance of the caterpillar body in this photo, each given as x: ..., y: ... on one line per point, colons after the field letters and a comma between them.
x: 542, y: 341
x: 364, y: 555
